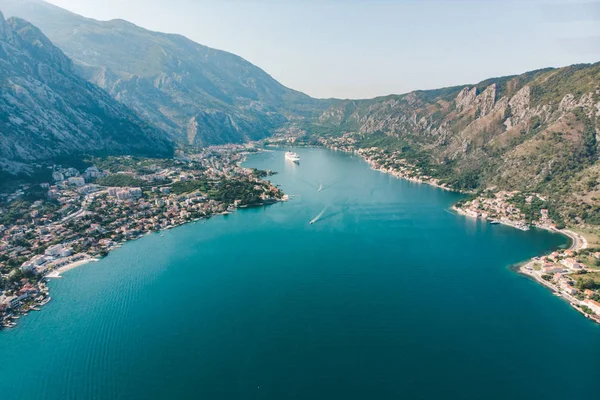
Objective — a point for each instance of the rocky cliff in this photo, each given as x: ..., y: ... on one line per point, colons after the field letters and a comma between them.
x: 47, y: 110
x: 197, y: 94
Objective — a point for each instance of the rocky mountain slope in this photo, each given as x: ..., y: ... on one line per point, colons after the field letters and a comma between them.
x: 536, y: 132
x: 47, y: 110
x: 197, y: 94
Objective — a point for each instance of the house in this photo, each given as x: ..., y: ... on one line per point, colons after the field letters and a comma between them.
x: 588, y: 293
x: 9, y: 302
x: 568, y: 288
x: 552, y: 269
x: 571, y: 263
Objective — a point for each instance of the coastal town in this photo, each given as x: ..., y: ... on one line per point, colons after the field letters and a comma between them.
x: 82, y: 214
x: 573, y: 274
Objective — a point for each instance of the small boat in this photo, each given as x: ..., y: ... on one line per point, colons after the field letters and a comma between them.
x: 494, y: 222
x: 320, y: 187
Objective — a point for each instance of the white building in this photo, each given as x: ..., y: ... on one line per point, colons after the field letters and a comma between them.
x: 66, y: 252
x: 123, y: 195
x: 54, y: 250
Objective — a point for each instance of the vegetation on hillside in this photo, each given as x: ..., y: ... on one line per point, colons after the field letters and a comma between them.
x: 535, y: 133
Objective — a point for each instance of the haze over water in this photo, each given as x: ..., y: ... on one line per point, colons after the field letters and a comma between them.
x: 388, y: 295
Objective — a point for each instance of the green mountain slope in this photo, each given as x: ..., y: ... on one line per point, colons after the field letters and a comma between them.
x: 48, y: 111
x: 197, y: 94
x: 535, y: 132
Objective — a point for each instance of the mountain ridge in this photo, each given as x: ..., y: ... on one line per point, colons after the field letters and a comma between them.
x: 47, y: 111
x: 534, y: 132
x: 197, y: 94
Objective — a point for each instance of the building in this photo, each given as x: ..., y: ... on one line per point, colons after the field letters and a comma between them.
x: 123, y: 195
x: 571, y: 263
x: 552, y: 269
x: 93, y: 172
x: 136, y: 192
x: 66, y: 252
x: 54, y: 250
x: 9, y: 302
x: 77, y: 181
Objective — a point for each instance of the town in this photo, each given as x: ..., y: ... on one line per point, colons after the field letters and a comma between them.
x: 81, y: 215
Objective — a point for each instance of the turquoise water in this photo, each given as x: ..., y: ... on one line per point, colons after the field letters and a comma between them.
x: 387, y: 296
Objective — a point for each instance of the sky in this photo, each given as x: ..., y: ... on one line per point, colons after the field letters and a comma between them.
x: 368, y: 48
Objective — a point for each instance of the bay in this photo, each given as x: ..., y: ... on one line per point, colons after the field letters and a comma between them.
x: 387, y: 295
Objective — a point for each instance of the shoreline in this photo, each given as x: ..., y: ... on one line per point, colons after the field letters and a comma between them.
x: 393, y: 173
x: 9, y: 321
x: 526, y: 267
x: 578, y: 241
x: 57, y: 273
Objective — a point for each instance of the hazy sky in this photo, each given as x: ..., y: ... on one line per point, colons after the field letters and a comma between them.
x: 367, y: 48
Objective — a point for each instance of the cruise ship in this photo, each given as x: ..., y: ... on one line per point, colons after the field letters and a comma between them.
x: 294, y: 157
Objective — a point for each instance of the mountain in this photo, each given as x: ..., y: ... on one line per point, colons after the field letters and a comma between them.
x: 47, y: 110
x: 197, y: 94
x: 535, y: 132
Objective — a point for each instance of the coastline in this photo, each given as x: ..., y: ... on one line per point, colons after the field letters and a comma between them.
x: 526, y: 268
x: 395, y: 174
x: 578, y: 241
x: 57, y: 273
x: 37, y: 300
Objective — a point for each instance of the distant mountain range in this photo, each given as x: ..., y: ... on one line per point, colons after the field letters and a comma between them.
x: 47, y: 110
x: 533, y: 132
x: 196, y: 94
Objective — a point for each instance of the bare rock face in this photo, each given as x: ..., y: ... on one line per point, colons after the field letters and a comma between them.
x: 486, y: 100
x: 519, y: 105
x: 466, y: 98
x: 585, y: 102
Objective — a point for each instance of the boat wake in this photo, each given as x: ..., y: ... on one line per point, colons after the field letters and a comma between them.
x: 318, y: 217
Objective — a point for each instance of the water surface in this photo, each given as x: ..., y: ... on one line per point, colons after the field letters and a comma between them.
x: 388, y: 295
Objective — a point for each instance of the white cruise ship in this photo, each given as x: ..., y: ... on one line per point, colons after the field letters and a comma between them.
x: 294, y: 157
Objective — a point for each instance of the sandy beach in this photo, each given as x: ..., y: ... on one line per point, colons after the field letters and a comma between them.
x: 57, y: 273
